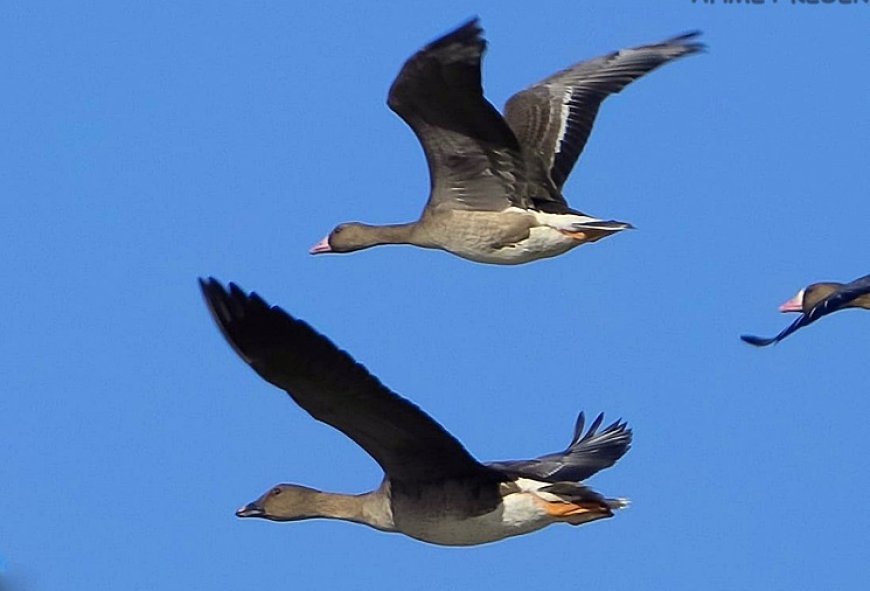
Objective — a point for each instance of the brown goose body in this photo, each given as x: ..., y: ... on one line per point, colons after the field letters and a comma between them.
x: 433, y: 489
x: 496, y: 181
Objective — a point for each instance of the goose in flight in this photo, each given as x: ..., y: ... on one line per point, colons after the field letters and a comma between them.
x: 818, y: 300
x: 433, y: 489
x: 496, y: 181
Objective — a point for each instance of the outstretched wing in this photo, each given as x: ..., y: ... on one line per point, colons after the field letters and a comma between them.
x: 801, y: 321
x: 836, y: 301
x: 474, y: 158
x: 584, y: 456
x: 325, y: 381
x: 554, y: 117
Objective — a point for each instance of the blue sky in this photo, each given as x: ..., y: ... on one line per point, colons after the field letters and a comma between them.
x: 147, y: 144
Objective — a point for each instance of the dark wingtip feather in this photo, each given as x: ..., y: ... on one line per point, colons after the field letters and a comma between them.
x: 595, y: 424
x: 473, y: 22
x: 685, y: 40
x: 683, y: 37
x: 801, y: 321
x: 215, y: 298
x: 587, y: 454
x: 230, y: 306
x: 207, y: 285
x: 687, y: 35
x: 579, y: 435
x: 220, y: 303
x: 757, y: 341
x: 468, y: 33
x: 472, y: 25
x: 578, y: 428
x: 617, y: 432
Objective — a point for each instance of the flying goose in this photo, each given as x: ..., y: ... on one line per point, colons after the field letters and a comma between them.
x: 496, y: 181
x: 817, y: 300
x: 433, y: 489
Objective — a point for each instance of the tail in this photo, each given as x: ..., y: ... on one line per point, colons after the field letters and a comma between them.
x: 571, y: 220
x: 609, y: 225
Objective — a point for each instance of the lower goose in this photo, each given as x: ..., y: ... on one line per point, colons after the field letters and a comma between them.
x: 433, y: 489
x: 817, y: 300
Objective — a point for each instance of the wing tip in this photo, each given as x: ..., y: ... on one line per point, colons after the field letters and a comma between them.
x: 757, y: 341
x: 688, y: 41
x: 693, y: 34
x: 232, y: 308
x: 468, y: 33
x: 615, y: 430
x: 215, y: 296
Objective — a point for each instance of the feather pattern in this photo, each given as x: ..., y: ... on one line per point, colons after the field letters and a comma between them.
x: 474, y: 159
x: 554, y: 117
x: 585, y: 455
x: 325, y: 381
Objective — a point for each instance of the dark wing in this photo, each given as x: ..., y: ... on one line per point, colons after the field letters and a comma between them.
x: 554, y: 117
x: 474, y: 158
x: 801, y: 321
x: 853, y: 290
x: 832, y: 303
x: 334, y: 389
x: 839, y: 299
x: 585, y: 455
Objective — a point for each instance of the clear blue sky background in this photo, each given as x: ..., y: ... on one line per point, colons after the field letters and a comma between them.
x: 146, y: 144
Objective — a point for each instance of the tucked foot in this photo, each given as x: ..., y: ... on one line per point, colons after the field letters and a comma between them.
x: 576, y: 513
x: 578, y: 236
x: 587, y: 234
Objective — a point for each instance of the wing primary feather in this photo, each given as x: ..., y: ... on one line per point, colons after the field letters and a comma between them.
x: 334, y: 389
x: 587, y: 454
x: 554, y: 117
x: 578, y: 428
x: 801, y: 321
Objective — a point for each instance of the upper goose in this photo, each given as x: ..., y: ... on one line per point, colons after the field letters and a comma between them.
x: 817, y: 300
x: 496, y: 181
x: 433, y: 490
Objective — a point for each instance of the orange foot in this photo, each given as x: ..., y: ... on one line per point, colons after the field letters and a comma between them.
x: 578, y: 236
x: 576, y: 513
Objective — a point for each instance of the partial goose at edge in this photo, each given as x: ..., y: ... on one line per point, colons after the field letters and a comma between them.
x: 816, y: 301
x: 433, y: 489
x: 496, y: 181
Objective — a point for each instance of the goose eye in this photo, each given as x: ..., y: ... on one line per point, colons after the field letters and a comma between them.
x: 276, y: 492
